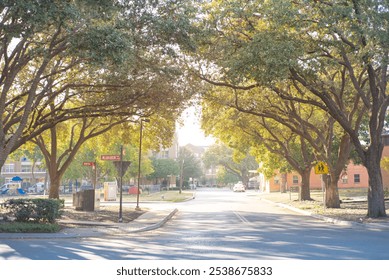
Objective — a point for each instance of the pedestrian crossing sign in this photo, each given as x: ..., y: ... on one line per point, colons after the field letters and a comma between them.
x: 321, y: 168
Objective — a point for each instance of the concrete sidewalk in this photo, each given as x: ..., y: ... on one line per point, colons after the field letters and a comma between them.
x: 150, y: 220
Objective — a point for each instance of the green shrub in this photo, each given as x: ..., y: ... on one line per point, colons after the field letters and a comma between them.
x: 36, y: 210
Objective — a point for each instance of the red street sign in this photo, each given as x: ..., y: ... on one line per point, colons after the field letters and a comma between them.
x: 110, y: 157
x: 88, y: 163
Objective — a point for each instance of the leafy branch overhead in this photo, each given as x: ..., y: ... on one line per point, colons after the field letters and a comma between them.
x: 77, y: 59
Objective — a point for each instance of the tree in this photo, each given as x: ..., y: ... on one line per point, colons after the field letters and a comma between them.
x: 65, y: 140
x: 37, y: 40
x: 33, y: 153
x: 189, y: 166
x: 61, y: 144
x: 333, y: 55
x: 224, y: 177
x: 163, y: 168
x: 300, y: 133
x: 94, y: 55
x: 234, y: 162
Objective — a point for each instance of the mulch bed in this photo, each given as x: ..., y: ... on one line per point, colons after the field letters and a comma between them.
x: 103, y: 214
x: 355, y: 211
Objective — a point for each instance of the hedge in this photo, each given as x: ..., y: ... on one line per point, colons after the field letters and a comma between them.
x: 39, y: 210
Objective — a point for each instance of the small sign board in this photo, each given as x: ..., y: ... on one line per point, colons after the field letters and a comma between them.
x: 110, y: 157
x: 321, y: 168
x: 88, y: 163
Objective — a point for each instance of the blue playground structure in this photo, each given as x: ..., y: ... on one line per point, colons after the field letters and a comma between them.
x: 21, y: 191
x: 4, y: 191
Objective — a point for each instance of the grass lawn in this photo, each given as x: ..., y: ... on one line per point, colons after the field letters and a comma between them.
x: 19, y: 227
x: 317, y: 195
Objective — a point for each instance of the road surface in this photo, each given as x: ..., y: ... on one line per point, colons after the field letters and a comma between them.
x: 218, y: 224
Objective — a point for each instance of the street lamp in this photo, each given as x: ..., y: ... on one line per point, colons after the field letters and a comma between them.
x: 137, y: 208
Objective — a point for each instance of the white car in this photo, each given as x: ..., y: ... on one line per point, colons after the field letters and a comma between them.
x: 239, y: 187
x: 37, y: 188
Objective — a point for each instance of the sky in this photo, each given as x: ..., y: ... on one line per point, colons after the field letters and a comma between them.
x: 190, y: 132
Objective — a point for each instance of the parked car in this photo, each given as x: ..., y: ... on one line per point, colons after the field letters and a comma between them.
x: 134, y: 190
x: 36, y: 188
x: 86, y: 187
x: 239, y: 187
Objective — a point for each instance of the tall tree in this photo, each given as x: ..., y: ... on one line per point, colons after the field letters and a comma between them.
x: 333, y: 54
x: 300, y: 133
x: 234, y: 162
x: 61, y: 144
x: 189, y: 166
x: 163, y: 168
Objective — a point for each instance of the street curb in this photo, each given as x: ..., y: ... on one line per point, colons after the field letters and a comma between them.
x: 154, y: 226
x: 97, y: 231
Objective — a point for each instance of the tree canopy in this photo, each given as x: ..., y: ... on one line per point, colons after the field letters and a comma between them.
x: 331, y: 55
x: 77, y: 59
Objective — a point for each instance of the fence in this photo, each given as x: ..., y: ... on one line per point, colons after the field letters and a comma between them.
x: 151, y: 188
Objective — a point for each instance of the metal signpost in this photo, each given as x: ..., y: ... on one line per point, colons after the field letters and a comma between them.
x: 121, y: 167
x: 322, y: 168
x: 93, y: 164
x: 137, y: 208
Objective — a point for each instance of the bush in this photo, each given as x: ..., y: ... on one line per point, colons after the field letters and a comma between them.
x: 36, y: 210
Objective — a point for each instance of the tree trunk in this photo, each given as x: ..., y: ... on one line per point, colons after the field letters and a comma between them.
x: 54, y: 186
x: 332, y: 193
x: 305, y: 193
x: 245, y: 178
x: 283, y: 182
x: 375, y: 195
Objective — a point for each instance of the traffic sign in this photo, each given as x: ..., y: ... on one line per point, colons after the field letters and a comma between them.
x: 321, y: 168
x: 122, y: 166
x: 88, y: 163
x: 110, y: 157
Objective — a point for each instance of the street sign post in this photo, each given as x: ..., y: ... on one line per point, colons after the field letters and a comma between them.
x: 93, y: 164
x: 121, y: 167
x: 322, y: 168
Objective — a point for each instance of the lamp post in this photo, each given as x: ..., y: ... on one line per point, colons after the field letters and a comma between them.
x: 137, y: 208
x: 121, y: 186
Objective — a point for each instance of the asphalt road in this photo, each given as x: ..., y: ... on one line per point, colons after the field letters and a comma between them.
x: 219, y: 224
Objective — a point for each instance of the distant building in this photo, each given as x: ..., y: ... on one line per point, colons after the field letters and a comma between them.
x: 168, y: 153
x: 23, y: 169
x: 354, y: 176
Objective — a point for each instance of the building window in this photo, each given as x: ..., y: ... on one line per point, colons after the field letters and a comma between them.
x: 344, y: 179
x: 165, y: 154
x: 26, y: 168
x: 276, y: 180
x: 295, y: 179
x: 8, y: 167
x: 357, y: 178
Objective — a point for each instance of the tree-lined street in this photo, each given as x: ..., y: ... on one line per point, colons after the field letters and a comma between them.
x: 283, y: 86
x: 218, y: 224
